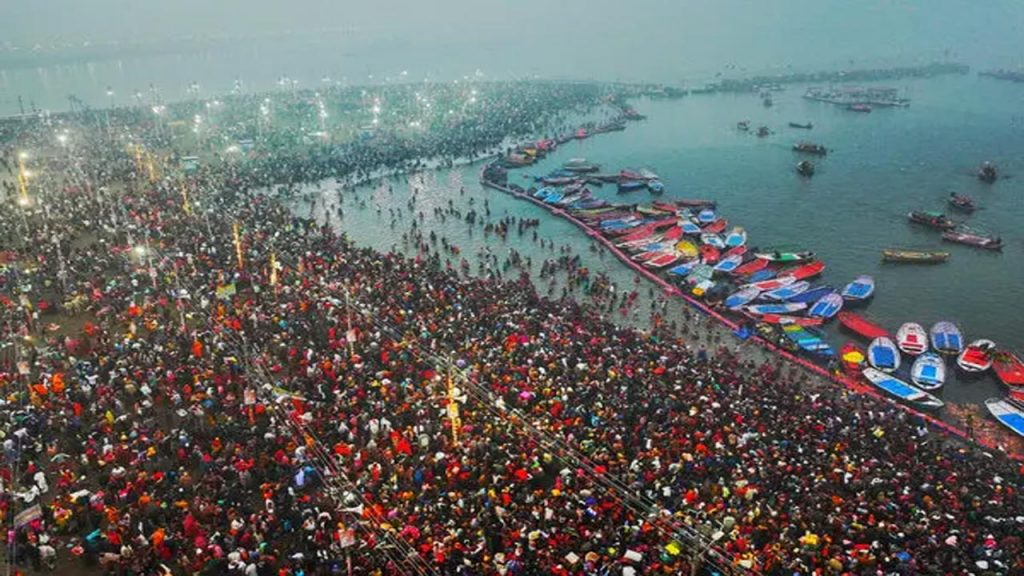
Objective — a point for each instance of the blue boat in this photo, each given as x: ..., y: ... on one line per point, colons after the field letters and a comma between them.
x: 554, y: 197
x: 741, y: 297
x: 630, y: 185
x: 689, y: 227
x: 883, y: 354
x: 1008, y: 414
x: 729, y: 264
x: 655, y: 186
x: 782, y: 308
x: 946, y: 338
x: 862, y: 288
x: 761, y: 275
x: 807, y: 340
x: 683, y: 269
x: 900, y: 389
x: 543, y: 192
x: 736, y: 237
x: 706, y: 216
x: 828, y: 306
x: 812, y: 294
x: 786, y: 292
x: 928, y: 371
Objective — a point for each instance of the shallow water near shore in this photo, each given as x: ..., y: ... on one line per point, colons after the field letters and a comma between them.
x: 881, y: 166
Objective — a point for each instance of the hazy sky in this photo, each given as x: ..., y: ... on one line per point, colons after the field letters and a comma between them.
x: 659, y: 40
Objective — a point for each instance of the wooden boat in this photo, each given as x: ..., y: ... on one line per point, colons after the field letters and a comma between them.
x: 806, y: 126
x: 683, y: 269
x: 946, y: 338
x: 977, y: 356
x: 631, y: 185
x: 709, y: 254
x: 928, y: 371
x: 664, y: 260
x: 774, y: 283
x: 786, y: 292
x: 810, y: 148
x: 853, y: 357
x: 805, y: 168
x: 735, y: 251
x: 785, y: 257
x: 787, y: 319
x: 914, y: 256
x: 1009, y: 368
x: 861, y: 326
x: 808, y: 270
x: 936, y: 220
x: 807, y: 341
x: 713, y: 240
x: 900, y: 389
x: 961, y: 202
x: 862, y: 288
x: 812, y: 294
x: 580, y: 165
x: 987, y: 173
x: 863, y: 108
x: 828, y: 306
x: 741, y: 297
x: 736, y: 237
x: 690, y: 228
x: 912, y: 339
x: 716, y: 227
x: 883, y: 354
x: 1007, y: 414
x: 780, y: 308
x: 975, y: 240
x: 703, y: 287
x: 762, y: 275
x: 728, y: 264
x: 697, y: 203
x: 688, y: 249
x: 750, y: 267
x: 700, y: 273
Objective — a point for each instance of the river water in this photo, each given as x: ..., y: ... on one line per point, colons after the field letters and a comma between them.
x: 882, y: 165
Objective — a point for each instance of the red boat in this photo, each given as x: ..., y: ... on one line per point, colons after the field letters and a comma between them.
x: 862, y: 326
x: 809, y: 270
x: 716, y: 226
x: 751, y: 267
x: 737, y: 251
x: 1009, y: 368
x: 709, y: 254
x: 783, y: 319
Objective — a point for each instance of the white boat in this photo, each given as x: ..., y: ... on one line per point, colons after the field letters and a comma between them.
x: 977, y: 356
x: 928, y: 371
x: 947, y: 338
x: 883, y: 354
x: 902, y: 390
x: 1008, y: 415
x: 912, y: 338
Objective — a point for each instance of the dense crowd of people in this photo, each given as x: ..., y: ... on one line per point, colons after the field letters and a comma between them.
x: 197, y: 381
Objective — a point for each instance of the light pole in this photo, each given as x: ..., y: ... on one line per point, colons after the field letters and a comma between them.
x: 110, y: 94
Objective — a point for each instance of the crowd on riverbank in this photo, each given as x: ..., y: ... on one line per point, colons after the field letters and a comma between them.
x: 245, y: 392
